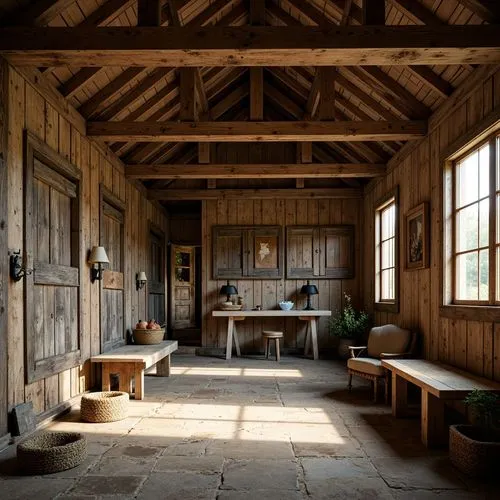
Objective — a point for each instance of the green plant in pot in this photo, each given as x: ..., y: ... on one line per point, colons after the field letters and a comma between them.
x: 349, y: 326
x: 475, y: 449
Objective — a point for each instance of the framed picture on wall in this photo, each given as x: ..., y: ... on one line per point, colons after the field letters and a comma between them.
x: 417, y: 237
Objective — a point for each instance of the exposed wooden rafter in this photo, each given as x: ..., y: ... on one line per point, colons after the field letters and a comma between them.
x: 256, y: 131
x: 489, y: 10
x: 250, y: 46
x: 249, y: 171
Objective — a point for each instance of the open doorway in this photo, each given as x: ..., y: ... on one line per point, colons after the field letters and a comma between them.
x: 184, y: 272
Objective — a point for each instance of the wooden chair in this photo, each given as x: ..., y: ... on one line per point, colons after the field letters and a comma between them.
x: 384, y: 342
x: 272, y: 335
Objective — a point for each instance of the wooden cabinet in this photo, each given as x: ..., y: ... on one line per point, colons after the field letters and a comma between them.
x: 320, y: 252
x: 247, y: 252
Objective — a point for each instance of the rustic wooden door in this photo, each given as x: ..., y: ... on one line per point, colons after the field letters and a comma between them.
x: 156, y: 275
x: 182, y: 290
x: 112, y: 226
x: 52, y: 246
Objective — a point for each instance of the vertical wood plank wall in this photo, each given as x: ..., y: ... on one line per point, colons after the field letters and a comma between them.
x: 28, y: 109
x: 269, y: 292
x: 472, y: 345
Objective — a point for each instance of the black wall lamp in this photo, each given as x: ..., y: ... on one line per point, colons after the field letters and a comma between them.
x: 97, y: 259
x: 140, y: 280
x: 17, y: 270
x: 309, y: 290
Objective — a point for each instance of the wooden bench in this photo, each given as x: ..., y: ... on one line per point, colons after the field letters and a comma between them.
x: 439, y: 383
x: 130, y: 361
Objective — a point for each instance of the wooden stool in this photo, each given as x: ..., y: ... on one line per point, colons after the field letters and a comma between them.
x: 276, y: 336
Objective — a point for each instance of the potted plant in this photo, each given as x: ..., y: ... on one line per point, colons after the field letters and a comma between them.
x: 348, y: 325
x: 475, y: 449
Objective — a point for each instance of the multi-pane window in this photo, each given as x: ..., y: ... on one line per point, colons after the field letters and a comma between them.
x: 475, y: 219
x: 386, y: 244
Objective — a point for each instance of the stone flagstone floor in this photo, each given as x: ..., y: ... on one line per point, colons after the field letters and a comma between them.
x: 250, y: 429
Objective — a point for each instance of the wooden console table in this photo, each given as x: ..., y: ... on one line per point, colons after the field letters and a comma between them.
x: 439, y: 383
x: 310, y: 316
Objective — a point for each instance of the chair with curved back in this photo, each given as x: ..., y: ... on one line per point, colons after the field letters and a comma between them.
x: 384, y: 342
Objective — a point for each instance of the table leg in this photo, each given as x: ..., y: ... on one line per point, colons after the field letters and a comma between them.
x: 307, y: 343
x: 124, y: 374
x: 139, y: 380
x: 105, y: 382
x: 434, y: 430
x: 229, y: 340
x: 399, y: 395
x: 236, y: 342
x: 314, y: 337
x: 163, y: 367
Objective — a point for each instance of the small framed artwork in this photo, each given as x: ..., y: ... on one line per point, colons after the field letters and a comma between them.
x: 417, y: 237
x: 266, y: 252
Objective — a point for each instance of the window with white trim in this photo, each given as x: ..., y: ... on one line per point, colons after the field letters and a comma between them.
x: 386, y: 252
x: 472, y: 200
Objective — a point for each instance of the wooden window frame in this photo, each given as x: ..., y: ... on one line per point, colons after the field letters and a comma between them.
x: 35, y: 148
x: 485, y: 130
x: 387, y: 305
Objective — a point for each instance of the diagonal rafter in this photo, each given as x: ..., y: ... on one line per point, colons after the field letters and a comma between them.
x: 489, y: 10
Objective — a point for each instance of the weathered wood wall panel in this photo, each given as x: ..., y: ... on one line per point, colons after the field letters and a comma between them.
x: 269, y: 292
x: 28, y: 109
x: 473, y: 345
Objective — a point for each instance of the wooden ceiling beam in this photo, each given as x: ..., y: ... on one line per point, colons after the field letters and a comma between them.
x: 256, y: 131
x: 250, y: 171
x: 250, y: 46
x: 252, y: 194
x: 489, y: 10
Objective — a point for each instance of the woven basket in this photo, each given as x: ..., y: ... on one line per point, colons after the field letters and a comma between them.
x: 104, y: 406
x: 51, y: 452
x: 472, y: 457
x: 147, y: 337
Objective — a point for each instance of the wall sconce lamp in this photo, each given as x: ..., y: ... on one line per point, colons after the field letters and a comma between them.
x: 309, y: 290
x: 97, y: 258
x: 228, y: 290
x: 140, y: 280
x: 17, y: 269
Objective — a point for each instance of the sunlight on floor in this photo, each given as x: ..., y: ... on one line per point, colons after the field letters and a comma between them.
x: 236, y: 372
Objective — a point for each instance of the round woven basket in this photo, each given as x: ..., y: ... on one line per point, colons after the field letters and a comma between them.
x: 51, y: 452
x: 147, y: 337
x: 104, y: 406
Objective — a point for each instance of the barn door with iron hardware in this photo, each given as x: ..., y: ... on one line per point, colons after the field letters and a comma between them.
x: 112, y: 224
x: 156, y: 275
x: 52, y: 248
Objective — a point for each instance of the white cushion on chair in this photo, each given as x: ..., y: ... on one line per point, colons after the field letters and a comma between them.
x: 388, y: 338
x: 366, y: 365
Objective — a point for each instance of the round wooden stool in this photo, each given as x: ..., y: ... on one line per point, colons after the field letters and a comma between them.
x: 272, y: 335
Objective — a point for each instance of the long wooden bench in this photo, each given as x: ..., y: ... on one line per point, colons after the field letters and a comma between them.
x: 130, y: 361
x: 439, y: 383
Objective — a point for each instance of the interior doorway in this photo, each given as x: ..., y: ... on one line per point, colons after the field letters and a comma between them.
x: 184, y: 273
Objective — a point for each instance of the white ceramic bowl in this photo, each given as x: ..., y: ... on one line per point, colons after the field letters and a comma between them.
x: 286, y: 305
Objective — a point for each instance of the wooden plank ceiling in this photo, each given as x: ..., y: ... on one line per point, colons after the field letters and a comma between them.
x: 168, y: 120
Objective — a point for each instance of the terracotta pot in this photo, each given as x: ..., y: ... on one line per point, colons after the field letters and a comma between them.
x: 471, y: 456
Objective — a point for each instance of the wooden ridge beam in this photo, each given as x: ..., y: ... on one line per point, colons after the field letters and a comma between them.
x: 252, y: 194
x: 250, y: 171
x: 286, y: 131
x: 250, y: 46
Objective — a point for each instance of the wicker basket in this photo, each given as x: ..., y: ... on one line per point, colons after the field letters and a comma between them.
x: 147, y: 337
x: 104, y: 406
x: 472, y: 457
x: 51, y: 452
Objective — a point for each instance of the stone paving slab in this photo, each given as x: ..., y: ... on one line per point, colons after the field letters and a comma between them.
x: 180, y: 485
x: 353, y: 489
x: 260, y: 494
x: 104, y: 485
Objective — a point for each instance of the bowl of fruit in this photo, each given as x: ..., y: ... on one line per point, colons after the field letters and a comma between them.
x: 148, y: 332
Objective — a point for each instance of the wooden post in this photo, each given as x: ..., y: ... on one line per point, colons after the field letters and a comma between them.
x: 188, y: 110
x: 373, y: 12
x: 4, y: 261
x: 327, y: 92
x: 149, y: 12
x: 139, y: 381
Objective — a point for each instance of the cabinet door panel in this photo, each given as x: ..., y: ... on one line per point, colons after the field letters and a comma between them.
x: 301, y: 252
x: 229, y: 253
x: 265, y: 252
x: 337, y: 255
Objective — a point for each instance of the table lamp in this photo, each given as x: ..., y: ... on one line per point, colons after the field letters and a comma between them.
x: 309, y: 290
x: 228, y: 290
